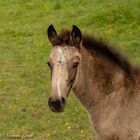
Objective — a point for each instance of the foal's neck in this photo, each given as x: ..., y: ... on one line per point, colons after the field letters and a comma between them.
x: 97, y: 77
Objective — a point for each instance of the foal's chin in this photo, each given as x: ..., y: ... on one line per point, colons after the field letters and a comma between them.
x: 56, y: 110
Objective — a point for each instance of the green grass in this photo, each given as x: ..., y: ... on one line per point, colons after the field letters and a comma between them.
x: 24, y: 50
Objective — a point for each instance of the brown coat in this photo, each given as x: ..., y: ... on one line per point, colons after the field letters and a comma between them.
x: 106, y: 84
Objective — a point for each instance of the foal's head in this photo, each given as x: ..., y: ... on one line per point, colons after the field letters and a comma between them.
x: 63, y: 63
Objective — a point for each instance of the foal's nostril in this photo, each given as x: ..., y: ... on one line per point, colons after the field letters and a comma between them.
x: 49, y: 102
x: 63, y: 101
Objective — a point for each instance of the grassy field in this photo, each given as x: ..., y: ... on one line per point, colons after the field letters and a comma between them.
x: 24, y: 50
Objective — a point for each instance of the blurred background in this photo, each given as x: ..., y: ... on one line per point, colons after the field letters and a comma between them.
x: 24, y: 49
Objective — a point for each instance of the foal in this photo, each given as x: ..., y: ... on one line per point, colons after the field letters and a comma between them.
x: 106, y: 84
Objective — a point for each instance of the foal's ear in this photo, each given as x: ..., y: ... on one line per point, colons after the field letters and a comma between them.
x: 51, y: 33
x: 76, y: 35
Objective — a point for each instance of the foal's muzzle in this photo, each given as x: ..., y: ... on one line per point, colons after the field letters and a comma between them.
x: 57, y: 105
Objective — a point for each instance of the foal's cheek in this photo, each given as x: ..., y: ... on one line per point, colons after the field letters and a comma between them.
x: 72, y: 74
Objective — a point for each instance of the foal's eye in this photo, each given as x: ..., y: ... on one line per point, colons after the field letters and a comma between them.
x: 49, y: 64
x: 75, y: 65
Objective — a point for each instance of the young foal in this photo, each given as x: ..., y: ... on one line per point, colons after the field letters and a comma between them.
x: 104, y: 82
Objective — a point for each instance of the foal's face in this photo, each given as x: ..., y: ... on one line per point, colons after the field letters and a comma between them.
x: 63, y: 62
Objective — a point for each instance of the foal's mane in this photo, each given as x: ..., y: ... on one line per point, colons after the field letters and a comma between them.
x: 99, y: 46
x: 103, y: 48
